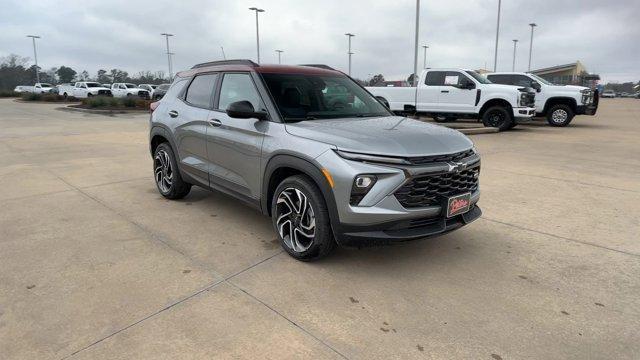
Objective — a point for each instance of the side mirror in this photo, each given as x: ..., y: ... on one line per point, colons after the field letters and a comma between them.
x: 536, y: 85
x: 469, y: 85
x: 244, y: 110
x: 383, y: 101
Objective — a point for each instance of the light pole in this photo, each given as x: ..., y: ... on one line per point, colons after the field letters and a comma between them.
x: 415, y: 45
x: 513, y: 67
x: 424, y: 60
x: 531, y: 43
x: 35, y: 55
x: 495, y: 55
x: 257, y: 30
x: 279, y: 53
x: 224, y: 56
x: 349, y: 35
x: 166, y: 35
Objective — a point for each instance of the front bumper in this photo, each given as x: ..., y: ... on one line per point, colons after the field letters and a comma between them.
x: 523, y: 114
x: 380, y: 218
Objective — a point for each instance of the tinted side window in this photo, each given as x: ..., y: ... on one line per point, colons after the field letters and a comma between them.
x: 200, y: 92
x: 500, y: 79
x: 175, y: 89
x: 434, y: 78
x: 238, y: 87
x: 521, y: 80
x: 454, y: 78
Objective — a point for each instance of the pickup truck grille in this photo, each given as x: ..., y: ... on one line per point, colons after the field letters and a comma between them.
x: 422, y: 160
x: 429, y: 190
x: 104, y: 92
x: 143, y: 94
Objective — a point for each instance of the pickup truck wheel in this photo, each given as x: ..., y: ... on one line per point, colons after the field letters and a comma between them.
x: 167, y: 175
x: 560, y: 115
x: 64, y: 95
x: 301, y: 219
x: 497, y: 117
x: 89, y: 95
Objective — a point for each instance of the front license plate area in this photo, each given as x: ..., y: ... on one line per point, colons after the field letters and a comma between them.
x: 458, y: 204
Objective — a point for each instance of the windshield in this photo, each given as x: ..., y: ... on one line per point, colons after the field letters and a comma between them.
x: 539, y: 79
x: 93, y: 85
x: 479, y: 78
x: 130, y: 86
x: 310, y: 97
x: 45, y: 85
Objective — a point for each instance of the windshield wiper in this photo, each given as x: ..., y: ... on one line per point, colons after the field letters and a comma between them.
x: 368, y: 115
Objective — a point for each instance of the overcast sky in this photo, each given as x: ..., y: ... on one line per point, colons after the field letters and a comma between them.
x: 90, y: 35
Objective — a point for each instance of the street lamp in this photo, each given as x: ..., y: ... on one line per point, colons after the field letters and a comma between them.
x: 495, y: 55
x: 35, y: 55
x: 166, y: 35
x: 415, y: 46
x: 279, y: 53
x: 531, y: 43
x: 424, y: 60
x: 349, y: 35
x: 224, y: 56
x: 513, y: 67
x: 257, y: 30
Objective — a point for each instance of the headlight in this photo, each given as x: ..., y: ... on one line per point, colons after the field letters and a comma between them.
x: 361, y: 186
x: 372, y: 158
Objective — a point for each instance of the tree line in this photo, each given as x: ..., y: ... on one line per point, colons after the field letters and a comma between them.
x: 15, y: 70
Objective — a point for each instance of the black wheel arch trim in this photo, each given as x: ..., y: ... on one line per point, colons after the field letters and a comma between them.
x: 560, y: 100
x: 307, y: 168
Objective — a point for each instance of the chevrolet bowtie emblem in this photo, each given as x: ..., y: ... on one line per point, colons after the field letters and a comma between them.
x: 457, y: 167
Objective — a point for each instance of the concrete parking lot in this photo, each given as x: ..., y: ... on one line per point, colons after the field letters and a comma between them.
x: 95, y: 264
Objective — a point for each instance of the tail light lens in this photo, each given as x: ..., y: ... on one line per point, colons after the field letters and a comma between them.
x: 153, y: 106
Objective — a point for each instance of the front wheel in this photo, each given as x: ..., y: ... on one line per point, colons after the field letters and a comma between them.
x: 559, y: 115
x: 167, y: 174
x: 497, y: 117
x: 301, y: 219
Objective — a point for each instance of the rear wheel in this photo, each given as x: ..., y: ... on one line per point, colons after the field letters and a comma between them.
x: 167, y: 175
x: 560, y: 115
x: 301, y: 219
x: 497, y: 117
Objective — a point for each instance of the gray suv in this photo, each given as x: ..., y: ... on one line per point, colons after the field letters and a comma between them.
x: 329, y: 167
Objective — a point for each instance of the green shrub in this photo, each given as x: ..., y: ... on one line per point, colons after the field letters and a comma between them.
x: 113, y: 102
x: 31, y: 96
x: 8, y: 93
x: 95, y: 102
x: 129, y: 101
x: 52, y: 97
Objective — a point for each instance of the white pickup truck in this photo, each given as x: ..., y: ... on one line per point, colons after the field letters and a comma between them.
x: 126, y: 89
x: 447, y: 94
x: 558, y: 103
x: 38, y: 88
x: 83, y: 89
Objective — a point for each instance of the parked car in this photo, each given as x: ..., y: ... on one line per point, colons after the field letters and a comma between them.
x: 85, y: 89
x: 126, y: 89
x: 38, y: 88
x: 108, y: 86
x: 159, y: 92
x: 608, y: 93
x: 558, y: 103
x: 447, y: 94
x: 355, y: 175
x: 149, y: 87
x: 65, y: 89
x: 22, y: 88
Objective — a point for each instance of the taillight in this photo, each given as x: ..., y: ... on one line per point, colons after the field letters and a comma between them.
x: 153, y: 106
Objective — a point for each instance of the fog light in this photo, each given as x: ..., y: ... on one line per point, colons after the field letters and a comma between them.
x: 361, y: 186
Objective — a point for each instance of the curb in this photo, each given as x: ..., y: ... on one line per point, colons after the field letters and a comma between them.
x: 476, y: 131
x: 100, y: 112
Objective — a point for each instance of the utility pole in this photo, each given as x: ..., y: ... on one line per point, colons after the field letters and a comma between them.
x: 224, y: 56
x: 495, y: 55
x: 35, y: 55
x: 279, y: 53
x: 415, y: 46
x: 531, y: 43
x: 166, y: 35
x: 424, y: 61
x: 513, y: 67
x: 257, y: 30
x: 349, y: 35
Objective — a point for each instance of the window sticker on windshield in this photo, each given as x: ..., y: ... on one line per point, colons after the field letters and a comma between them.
x: 451, y: 80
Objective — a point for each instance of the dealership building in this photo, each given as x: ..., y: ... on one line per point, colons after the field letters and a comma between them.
x: 568, y: 74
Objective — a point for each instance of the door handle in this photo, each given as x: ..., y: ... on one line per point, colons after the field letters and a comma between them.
x: 173, y: 113
x: 215, y: 122
x: 444, y: 91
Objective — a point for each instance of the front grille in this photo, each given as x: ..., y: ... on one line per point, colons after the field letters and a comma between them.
x: 429, y: 190
x: 528, y: 99
x: 421, y: 160
x: 143, y: 94
x: 104, y: 92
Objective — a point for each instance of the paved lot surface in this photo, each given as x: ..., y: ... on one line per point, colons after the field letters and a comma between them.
x: 95, y: 264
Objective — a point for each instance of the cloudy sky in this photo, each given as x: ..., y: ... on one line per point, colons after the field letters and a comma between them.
x: 90, y: 35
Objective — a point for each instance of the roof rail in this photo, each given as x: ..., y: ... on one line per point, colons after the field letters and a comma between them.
x: 226, y: 62
x: 320, y: 66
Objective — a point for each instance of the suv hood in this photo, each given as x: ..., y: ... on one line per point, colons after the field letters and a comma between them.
x: 568, y: 88
x: 389, y: 135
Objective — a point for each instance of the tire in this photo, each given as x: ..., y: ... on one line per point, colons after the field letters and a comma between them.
x: 64, y: 95
x: 560, y: 115
x: 497, y: 117
x: 293, y: 219
x: 166, y: 174
x: 89, y: 95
